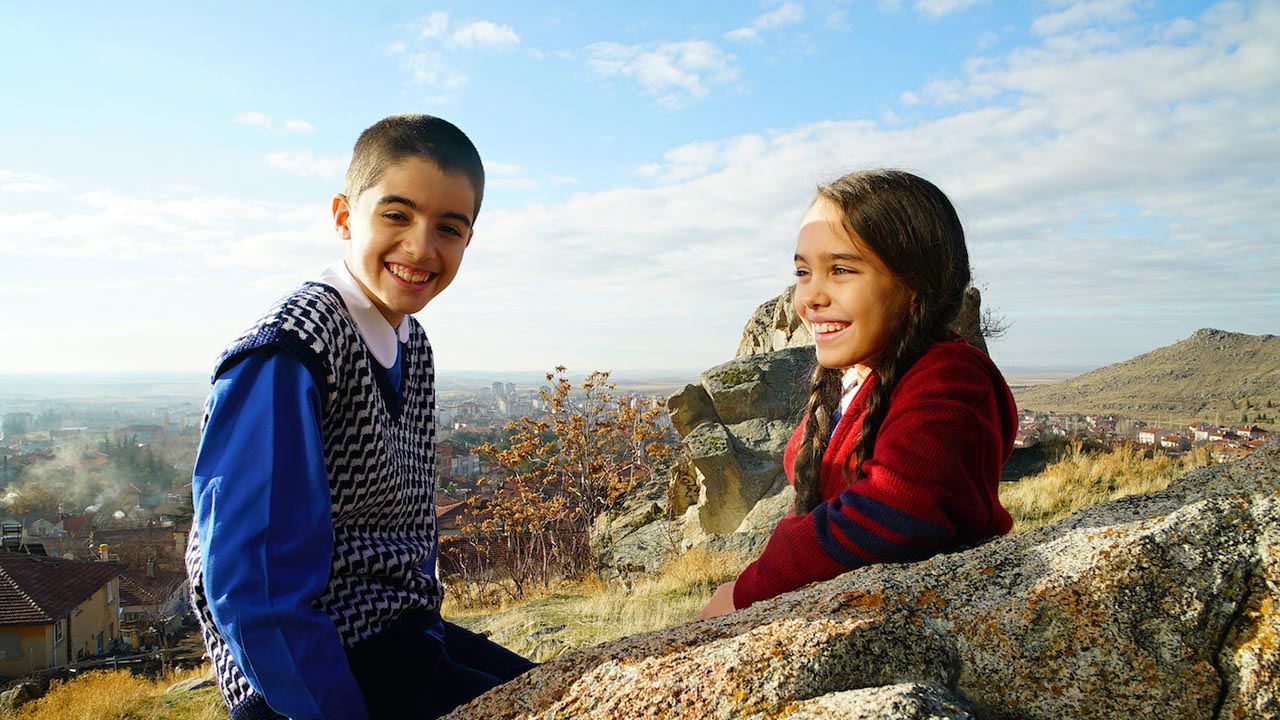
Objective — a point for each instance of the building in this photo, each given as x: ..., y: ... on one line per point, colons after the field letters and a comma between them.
x: 153, y: 602
x: 54, y: 612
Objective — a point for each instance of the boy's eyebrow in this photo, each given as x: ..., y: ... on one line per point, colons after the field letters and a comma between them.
x: 402, y: 200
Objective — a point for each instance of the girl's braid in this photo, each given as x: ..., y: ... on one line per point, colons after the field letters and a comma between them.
x: 824, y: 398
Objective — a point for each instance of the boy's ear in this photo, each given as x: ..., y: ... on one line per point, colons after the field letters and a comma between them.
x: 342, y: 216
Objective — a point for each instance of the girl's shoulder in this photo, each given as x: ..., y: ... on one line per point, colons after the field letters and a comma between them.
x: 955, y: 368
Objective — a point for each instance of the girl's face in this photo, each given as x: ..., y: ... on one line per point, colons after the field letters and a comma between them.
x: 844, y: 293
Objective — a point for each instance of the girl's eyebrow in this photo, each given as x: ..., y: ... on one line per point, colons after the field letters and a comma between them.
x: 836, y: 257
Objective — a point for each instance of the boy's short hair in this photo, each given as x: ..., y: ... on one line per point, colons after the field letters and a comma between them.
x: 397, y: 137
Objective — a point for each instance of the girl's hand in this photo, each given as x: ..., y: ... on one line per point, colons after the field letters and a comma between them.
x: 721, y: 602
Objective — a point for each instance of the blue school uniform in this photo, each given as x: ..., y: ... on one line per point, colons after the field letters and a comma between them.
x: 314, y: 539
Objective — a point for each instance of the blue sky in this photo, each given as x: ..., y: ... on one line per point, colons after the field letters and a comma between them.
x: 165, y: 171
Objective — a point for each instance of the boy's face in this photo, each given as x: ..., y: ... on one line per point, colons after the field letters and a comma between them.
x: 406, y: 234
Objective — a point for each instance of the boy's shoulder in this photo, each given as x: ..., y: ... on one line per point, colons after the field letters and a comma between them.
x: 302, y: 324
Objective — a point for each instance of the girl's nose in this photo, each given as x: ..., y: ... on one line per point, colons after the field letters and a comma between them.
x: 811, y: 294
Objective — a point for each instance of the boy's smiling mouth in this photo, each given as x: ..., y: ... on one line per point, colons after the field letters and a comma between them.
x: 409, y: 274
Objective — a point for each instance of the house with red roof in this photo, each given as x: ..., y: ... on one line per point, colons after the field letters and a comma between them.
x: 54, y: 612
x: 152, y: 603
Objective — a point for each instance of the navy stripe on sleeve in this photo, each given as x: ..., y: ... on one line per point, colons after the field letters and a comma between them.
x: 893, y: 519
x: 828, y: 516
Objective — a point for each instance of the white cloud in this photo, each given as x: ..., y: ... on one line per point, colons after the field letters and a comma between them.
x: 254, y: 119
x: 484, y: 34
x: 514, y: 183
x: 788, y: 13
x: 938, y: 8
x: 676, y: 73
x: 429, y: 67
x: 12, y: 181
x: 433, y: 26
x: 262, y: 120
x: 307, y: 164
x: 301, y: 127
x: 421, y: 54
x: 1084, y: 13
x: 495, y: 168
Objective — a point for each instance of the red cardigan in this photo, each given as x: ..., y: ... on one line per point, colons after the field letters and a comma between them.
x: 931, y: 484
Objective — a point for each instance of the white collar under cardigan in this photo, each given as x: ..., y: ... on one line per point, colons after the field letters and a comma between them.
x: 377, y: 333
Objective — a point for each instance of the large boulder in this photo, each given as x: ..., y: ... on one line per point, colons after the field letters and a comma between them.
x: 735, y: 425
x: 1163, y: 605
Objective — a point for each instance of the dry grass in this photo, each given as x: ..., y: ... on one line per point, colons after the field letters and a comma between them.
x: 121, y: 695
x: 1077, y: 478
x: 592, y: 611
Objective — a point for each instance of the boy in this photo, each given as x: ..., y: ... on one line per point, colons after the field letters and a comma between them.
x: 313, y: 551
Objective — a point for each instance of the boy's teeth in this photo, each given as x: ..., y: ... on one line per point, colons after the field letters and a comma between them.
x: 410, y: 276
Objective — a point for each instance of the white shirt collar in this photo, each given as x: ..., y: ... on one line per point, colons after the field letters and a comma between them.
x: 377, y: 332
x: 851, y: 382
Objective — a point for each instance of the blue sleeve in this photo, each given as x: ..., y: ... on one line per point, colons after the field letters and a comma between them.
x: 262, y: 509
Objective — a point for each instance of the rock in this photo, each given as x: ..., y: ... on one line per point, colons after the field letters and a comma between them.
x: 643, y: 549
x: 745, y: 411
x: 909, y: 701
x: 189, y: 684
x: 18, y: 695
x: 690, y: 408
x: 771, y: 386
x: 1165, y: 604
x: 774, y: 326
x: 968, y: 322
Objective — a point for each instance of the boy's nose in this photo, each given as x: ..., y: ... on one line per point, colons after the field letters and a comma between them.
x: 422, y: 245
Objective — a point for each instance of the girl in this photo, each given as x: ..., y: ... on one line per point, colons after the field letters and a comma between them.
x: 907, y: 426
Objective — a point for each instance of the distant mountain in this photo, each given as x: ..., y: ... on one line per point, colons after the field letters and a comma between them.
x: 1213, y: 375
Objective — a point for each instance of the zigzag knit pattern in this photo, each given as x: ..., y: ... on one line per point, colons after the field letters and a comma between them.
x: 379, y: 452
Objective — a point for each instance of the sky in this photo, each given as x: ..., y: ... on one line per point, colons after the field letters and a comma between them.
x: 166, y: 169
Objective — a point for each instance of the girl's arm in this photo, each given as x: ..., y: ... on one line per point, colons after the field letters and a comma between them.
x: 262, y: 510
x: 931, y: 485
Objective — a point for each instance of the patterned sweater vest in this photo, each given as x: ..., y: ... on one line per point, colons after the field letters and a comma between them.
x: 379, y: 451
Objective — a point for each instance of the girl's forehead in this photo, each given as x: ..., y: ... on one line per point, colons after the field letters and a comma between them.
x: 824, y: 227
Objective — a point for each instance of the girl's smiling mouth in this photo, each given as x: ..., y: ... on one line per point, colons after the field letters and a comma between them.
x: 827, y: 328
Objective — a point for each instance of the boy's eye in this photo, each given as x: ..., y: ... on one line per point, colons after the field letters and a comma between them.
x: 451, y: 230
x: 395, y: 216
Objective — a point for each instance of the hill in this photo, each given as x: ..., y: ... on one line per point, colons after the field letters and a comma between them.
x: 1213, y: 375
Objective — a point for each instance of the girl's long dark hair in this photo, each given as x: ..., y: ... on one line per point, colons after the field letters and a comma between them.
x: 912, y: 227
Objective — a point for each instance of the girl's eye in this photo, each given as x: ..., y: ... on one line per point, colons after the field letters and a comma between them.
x: 843, y: 271
x: 801, y: 272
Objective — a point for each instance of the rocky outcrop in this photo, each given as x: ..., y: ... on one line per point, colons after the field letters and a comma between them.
x: 776, y: 326
x: 1163, y: 605
x: 734, y: 426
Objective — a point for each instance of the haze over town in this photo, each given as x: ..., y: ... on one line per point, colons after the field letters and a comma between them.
x: 167, y: 169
